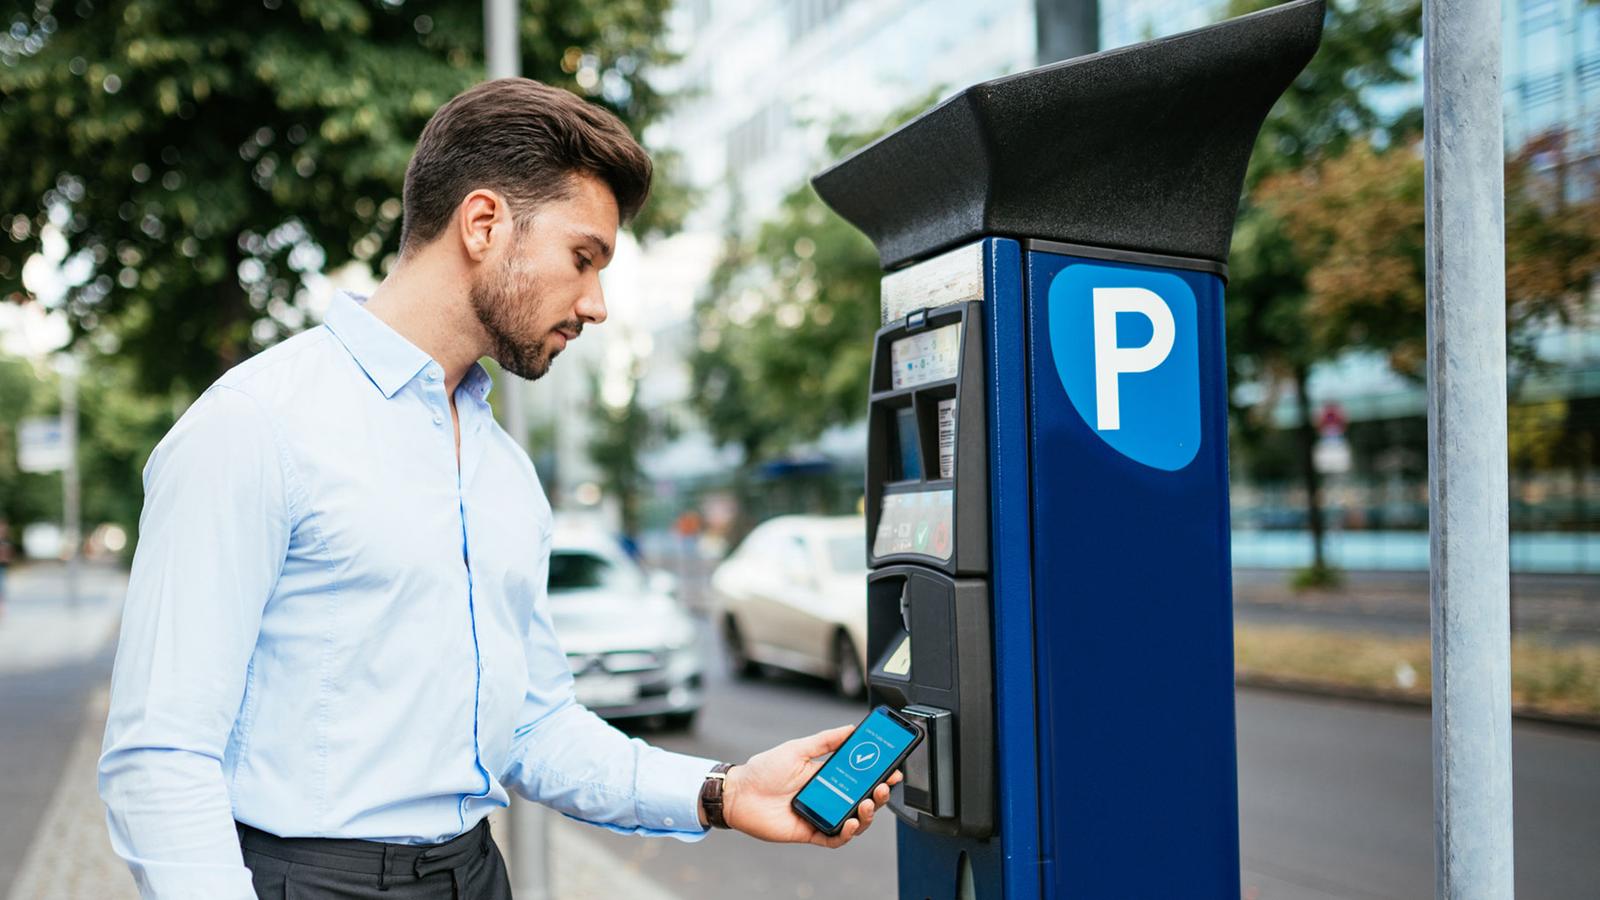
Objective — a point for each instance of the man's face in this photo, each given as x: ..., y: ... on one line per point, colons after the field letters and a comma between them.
x: 545, y: 286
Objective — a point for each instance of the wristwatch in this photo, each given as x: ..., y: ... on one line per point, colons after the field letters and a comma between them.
x: 711, y: 794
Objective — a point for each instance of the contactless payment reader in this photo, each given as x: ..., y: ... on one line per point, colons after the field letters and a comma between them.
x: 1049, y: 598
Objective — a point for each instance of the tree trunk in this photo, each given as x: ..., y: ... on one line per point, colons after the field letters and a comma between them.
x: 1313, y: 479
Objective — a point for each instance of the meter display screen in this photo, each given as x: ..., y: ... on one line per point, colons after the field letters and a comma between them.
x: 927, y: 357
x: 909, y: 458
x: 918, y: 522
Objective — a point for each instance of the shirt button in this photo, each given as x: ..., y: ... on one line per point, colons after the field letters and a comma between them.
x: 438, y: 419
x: 667, y: 821
x: 433, y: 374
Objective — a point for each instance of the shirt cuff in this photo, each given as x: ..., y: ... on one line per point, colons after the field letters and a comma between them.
x: 669, y: 792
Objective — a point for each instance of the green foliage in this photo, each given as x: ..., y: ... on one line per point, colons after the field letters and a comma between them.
x: 24, y: 496
x: 1364, y: 52
x: 785, y: 331
x: 203, y: 156
x: 620, y: 434
x: 117, y: 427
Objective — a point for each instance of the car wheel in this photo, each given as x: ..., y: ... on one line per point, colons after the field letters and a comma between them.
x: 848, y: 679
x: 739, y: 661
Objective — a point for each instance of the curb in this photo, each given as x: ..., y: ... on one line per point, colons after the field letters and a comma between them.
x: 1290, y: 685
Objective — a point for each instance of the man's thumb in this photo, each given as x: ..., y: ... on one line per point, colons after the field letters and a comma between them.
x: 824, y: 742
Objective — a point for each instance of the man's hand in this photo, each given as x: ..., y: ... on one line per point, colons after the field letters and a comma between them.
x: 756, y: 794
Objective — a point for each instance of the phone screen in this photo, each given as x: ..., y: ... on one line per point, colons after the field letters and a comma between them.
x: 855, y: 769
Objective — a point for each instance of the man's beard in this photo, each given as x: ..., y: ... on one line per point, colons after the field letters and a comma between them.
x: 508, y: 304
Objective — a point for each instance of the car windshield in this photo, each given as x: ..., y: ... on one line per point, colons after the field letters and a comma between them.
x: 577, y: 570
x: 847, y: 555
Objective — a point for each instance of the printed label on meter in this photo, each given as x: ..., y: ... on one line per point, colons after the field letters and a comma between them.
x: 927, y: 357
x: 947, y: 438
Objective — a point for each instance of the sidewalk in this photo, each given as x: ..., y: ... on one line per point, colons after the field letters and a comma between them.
x: 70, y: 856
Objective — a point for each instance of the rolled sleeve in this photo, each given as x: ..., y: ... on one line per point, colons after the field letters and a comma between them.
x: 571, y: 760
x: 213, y: 537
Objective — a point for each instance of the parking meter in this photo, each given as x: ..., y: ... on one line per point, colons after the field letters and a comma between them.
x: 1049, y: 591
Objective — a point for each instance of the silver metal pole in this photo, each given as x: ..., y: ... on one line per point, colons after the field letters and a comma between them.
x: 71, y: 507
x: 529, y: 838
x: 1469, y: 541
x: 504, y: 61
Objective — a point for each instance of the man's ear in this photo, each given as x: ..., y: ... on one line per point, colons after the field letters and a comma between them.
x: 483, y: 220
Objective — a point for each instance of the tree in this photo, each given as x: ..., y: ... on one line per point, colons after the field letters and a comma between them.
x: 25, y: 497
x: 117, y: 426
x: 205, y: 156
x: 1365, y: 50
x: 786, y: 326
x: 621, y: 433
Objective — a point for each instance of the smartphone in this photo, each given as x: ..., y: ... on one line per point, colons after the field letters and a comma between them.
x: 865, y: 760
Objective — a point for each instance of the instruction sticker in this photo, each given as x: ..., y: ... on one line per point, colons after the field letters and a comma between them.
x: 947, y: 438
x: 922, y: 358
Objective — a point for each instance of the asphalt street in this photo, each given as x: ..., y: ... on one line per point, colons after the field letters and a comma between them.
x: 1335, y: 802
x: 1336, y: 796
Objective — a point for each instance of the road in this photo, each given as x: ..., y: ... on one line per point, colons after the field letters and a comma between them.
x: 1555, y: 609
x: 1335, y: 802
x: 1335, y: 796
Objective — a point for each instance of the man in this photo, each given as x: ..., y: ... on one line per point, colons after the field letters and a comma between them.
x: 336, y: 655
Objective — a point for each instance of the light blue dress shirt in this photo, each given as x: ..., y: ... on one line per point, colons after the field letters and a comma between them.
x: 331, y: 630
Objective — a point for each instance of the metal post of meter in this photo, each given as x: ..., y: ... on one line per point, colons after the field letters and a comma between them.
x: 528, y: 843
x: 1469, y: 542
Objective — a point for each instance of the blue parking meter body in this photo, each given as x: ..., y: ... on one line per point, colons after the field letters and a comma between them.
x: 1049, y: 591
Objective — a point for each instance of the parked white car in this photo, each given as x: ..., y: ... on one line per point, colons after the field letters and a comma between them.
x: 794, y: 596
x: 631, y: 645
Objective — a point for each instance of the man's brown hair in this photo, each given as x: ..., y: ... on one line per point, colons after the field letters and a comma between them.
x: 524, y: 140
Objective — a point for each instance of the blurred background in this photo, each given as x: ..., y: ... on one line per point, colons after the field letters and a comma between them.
x: 186, y: 183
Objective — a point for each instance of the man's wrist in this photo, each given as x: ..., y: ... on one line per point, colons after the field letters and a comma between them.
x: 714, y: 797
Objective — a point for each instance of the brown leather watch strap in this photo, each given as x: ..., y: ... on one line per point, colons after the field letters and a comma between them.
x: 711, y: 795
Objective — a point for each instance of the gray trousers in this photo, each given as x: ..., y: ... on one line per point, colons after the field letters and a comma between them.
x: 467, y: 867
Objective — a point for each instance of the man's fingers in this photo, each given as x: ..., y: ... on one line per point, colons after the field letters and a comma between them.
x: 823, y: 742
x: 865, y: 812
x: 881, y: 795
x: 897, y: 777
x: 851, y: 827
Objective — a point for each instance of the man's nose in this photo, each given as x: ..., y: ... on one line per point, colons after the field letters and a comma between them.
x: 592, y: 306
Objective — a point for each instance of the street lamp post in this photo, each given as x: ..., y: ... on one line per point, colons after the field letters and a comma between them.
x: 529, y: 838
x: 1469, y: 539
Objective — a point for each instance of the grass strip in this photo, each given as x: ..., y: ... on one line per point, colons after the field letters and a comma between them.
x: 1560, y: 682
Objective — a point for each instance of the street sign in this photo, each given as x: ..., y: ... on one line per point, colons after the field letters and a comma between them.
x: 42, y: 445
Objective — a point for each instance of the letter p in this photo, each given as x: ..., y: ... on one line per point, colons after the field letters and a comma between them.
x: 1111, y: 361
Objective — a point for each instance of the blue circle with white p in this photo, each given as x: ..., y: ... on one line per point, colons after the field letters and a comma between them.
x: 1126, y: 346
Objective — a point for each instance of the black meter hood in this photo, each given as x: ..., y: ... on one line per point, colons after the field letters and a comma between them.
x: 1141, y: 148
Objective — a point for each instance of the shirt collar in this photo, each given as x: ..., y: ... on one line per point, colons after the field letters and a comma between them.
x: 478, y: 382
x: 389, y: 360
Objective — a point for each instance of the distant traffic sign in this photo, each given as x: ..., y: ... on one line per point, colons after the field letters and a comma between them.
x: 41, y: 445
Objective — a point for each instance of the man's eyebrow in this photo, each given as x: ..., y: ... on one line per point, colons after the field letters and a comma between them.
x: 598, y: 241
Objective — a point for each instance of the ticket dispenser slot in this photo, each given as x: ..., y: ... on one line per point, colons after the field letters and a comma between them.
x: 928, y: 636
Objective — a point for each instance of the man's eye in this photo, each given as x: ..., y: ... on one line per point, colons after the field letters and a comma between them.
x: 584, y: 262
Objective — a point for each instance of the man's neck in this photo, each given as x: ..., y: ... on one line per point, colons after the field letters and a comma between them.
x: 437, y: 320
